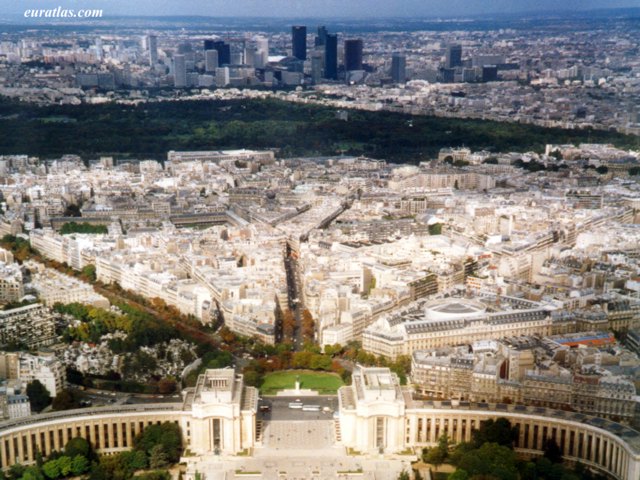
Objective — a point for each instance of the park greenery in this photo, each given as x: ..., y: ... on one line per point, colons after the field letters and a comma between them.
x: 74, y: 227
x: 490, y: 455
x: 18, y: 246
x: 155, y: 448
x: 335, y: 358
x: 142, y: 328
x: 294, y: 129
x: 208, y: 359
x: 323, y: 383
x: 39, y: 396
x: 435, y: 229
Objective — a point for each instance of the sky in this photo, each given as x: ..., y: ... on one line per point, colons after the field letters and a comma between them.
x: 316, y: 8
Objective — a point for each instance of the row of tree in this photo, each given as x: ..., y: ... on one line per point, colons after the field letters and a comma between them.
x: 156, y: 447
x: 74, y: 227
x: 490, y: 454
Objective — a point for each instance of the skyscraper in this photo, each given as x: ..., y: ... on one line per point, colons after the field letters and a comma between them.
x: 179, y: 71
x: 152, y: 45
x: 250, y: 53
x: 321, y: 38
x: 224, y: 50
x: 453, y: 56
x: 211, y: 60
x: 316, y: 67
x: 398, y: 68
x: 262, y: 53
x: 331, y: 57
x: 353, y: 54
x: 489, y: 73
x: 99, y: 48
x: 299, y: 42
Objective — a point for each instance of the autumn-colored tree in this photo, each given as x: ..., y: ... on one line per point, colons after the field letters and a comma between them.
x: 166, y: 385
x: 288, y: 324
x: 307, y: 325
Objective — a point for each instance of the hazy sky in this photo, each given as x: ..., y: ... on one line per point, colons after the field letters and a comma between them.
x: 324, y: 8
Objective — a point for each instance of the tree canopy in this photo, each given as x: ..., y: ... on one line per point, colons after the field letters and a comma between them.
x: 39, y: 396
x: 166, y: 436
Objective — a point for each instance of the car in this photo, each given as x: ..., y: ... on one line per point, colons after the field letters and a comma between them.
x: 265, y: 408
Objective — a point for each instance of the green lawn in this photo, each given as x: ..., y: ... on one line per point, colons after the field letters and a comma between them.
x: 324, y: 383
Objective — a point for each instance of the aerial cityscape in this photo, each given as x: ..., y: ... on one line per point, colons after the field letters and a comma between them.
x: 286, y: 242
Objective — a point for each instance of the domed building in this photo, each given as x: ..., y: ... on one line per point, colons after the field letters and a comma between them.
x: 453, y: 309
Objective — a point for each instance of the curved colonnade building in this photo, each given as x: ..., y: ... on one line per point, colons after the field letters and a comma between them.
x: 218, y: 415
x: 375, y: 415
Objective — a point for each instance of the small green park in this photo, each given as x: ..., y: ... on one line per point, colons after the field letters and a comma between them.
x: 323, y: 383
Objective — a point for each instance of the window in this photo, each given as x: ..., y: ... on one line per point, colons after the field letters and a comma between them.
x: 380, y: 443
x: 217, y: 434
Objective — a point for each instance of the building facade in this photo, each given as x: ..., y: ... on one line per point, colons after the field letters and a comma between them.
x: 32, y: 325
x: 217, y: 416
x: 377, y: 415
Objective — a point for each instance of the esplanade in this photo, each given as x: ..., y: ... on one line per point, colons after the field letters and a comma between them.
x: 376, y: 416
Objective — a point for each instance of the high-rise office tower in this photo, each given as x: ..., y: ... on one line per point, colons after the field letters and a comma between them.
x: 331, y: 57
x: 489, y: 73
x: 448, y: 75
x: 179, y: 71
x: 299, y: 42
x: 184, y: 48
x: 321, y: 38
x: 453, y: 57
x: 152, y: 45
x: 211, y: 60
x: 353, y: 54
x: 224, y: 50
x: 316, y: 67
x: 222, y: 77
x: 262, y: 52
x: 398, y: 68
x: 237, y: 58
x: 250, y: 54
x: 99, y: 48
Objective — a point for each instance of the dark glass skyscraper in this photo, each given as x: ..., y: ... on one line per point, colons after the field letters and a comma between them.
x: 321, y: 38
x: 299, y: 42
x: 453, y: 57
x: 353, y: 54
x: 398, y: 68
x: 224, y: 52
x: 331, y: 57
